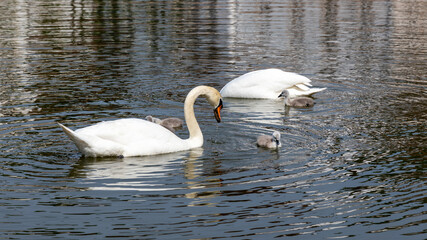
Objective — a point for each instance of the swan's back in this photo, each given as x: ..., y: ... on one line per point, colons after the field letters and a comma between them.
x: 267, y: 83
x: 135, y: 137
x: 126, y: 130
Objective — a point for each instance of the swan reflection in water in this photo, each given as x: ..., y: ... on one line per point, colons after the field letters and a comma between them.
x: 263, y: 111
x: 150, y: 173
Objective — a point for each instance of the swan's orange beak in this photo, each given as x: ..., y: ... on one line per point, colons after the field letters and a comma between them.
x: 217, y: 111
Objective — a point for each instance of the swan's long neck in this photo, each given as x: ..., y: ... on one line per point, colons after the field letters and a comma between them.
x: 196, y: 136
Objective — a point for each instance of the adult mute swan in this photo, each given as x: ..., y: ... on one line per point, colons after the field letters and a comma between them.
x: 296, y: 101
x: 268, y: 84
x: 136, y: 137
x: 269, y: 141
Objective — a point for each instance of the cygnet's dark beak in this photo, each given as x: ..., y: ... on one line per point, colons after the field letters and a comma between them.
x: 217, y: 111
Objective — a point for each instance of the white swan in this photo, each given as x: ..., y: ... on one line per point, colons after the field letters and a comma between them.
x: 269, y: 141
x: 268, y: 84
x: 296, y: 101
x: 137, y: 137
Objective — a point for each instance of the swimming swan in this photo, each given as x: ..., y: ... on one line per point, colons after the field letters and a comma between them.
x: 268, y: 84
x: 269, y: 141
x: 170, y: 123
x: 296, y: 101
x: 137, y: 137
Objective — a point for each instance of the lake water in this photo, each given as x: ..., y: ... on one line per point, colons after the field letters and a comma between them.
x: 353, y: 166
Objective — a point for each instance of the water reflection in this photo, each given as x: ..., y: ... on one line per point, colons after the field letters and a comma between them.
x: 61, y: 44
x: 137, y: 173
x: 352, y: 166
x: 262, y: 112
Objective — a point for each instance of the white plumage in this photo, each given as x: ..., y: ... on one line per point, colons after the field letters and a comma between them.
x: 268, y: 84
x: 137, y: 137
x: 125, y: 137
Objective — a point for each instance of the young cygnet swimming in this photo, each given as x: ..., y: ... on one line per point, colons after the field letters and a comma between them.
x: 169, y: 123
x: 297, y: 101
x: 269, y: 141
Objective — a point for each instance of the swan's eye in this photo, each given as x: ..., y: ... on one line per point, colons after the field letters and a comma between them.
x: 220, y: 103
x: 217, y: 111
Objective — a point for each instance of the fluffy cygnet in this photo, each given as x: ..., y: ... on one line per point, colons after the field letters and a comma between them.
x: 269, y: 141
x: 153, y: 119
x: 169, y: 123
x: 172, y: 122
x: 297, y: 101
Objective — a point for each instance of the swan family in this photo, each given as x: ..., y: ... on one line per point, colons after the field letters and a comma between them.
x: 138, y: 137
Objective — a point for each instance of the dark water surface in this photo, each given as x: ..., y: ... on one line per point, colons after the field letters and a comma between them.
x: 353, y: 166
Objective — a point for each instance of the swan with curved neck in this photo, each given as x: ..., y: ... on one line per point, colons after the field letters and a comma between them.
x: 136, y: 137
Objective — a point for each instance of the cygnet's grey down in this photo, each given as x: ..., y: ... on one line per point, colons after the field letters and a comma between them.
x: 153, y: 119
x: 169, y: 123
x: 297, y: 101
x: 172, y: 122
x: 269, y: 141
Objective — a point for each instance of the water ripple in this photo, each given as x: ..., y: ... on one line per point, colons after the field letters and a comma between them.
x: 350, y: 167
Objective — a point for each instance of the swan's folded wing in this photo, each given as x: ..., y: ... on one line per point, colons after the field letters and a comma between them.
x: 267, y: 83
x: 127, y: 130
x: 303, y: 87
x: 93, y: 146
x: 136, y: 136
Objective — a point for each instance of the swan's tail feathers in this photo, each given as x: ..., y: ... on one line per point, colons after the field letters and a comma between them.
x: 315, y: 90
x: 298, y: 91
x: 304, y: 86
x: 93, y: 146
x: 304, y: 89
x: 80, y: 143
